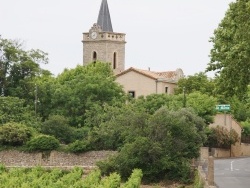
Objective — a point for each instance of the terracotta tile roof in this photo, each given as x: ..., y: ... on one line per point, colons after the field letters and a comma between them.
x: 164, y: 76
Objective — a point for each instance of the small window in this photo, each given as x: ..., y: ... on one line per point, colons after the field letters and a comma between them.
x: 114, y: 61
x: 132, y: 94
x: 166, y: 90
x: 94, y: 56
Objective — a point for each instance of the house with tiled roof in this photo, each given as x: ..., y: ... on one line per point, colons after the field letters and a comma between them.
x: 139, y: 82
x: 101, y: 43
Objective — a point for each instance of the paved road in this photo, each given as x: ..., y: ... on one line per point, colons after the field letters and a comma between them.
x: 232, y: 173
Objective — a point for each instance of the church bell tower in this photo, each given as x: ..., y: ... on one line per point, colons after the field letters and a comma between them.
x: 102, y: 44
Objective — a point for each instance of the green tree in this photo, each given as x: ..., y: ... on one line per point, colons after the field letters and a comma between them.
x: 13, y: 109
x: 246, y: 131
x: 42, y: 89
x: 18, y: 67
x: 116, y: 129
x: 230, y: 55
x: 197, y: 82
x: 77, y: 90
x: 203, y: 105
x: 163, y: 149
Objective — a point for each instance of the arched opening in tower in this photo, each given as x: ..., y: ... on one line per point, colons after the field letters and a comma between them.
x: 114, y: 61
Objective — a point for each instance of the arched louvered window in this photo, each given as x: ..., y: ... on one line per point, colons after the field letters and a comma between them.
x: 94, y: 56
x: 114, y: 60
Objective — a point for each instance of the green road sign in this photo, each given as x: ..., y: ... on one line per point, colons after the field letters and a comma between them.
x: 223, y: 107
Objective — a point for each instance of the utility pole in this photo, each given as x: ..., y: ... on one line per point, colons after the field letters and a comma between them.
x: 36, y: 100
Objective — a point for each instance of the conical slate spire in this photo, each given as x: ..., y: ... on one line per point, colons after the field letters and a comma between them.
x: 104, y: 17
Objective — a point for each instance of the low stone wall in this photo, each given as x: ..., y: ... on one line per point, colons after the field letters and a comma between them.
x: 220, y: 153
x: 245, y: 149
x: 52, y: 159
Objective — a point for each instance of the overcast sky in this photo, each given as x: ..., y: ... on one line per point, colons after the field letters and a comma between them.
x: 161, y: 34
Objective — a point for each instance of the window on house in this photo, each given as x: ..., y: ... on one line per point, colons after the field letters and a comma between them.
x: 94, y: 56
x: 166, y: 90
x: 132, y: 94
x: 114, y: 61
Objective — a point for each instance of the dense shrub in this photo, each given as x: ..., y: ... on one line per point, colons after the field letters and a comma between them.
x: 80, y: 133
x: 42, y: 143
x: 220, y: 137
x: 78, y: 146
x: 58, y: 127
x: 170, y: 140
x: 14, y: 134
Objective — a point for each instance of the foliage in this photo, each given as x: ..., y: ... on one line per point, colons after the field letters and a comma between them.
x: 18, y: 68
x: 182, y: 131
x: 13, y: 109
x: 239, y: 108
x: 43, y: 86
x: 80, y: 133
x: 151, y: 103
x: 197, y: 181
x: 203, y: 105
x: 78, y: 146
x: 230, y: 55
x: 58, y: 127
x: 112, y: 181
x: 198, y: 82
x: 55, y: 178
x: 2, y: 168
x: 134, y: 180
x: 14, y: 134
x: 117, y: 128
x: 246, y: 127
x: 77, y: 90
x: 93, y: 179
x: 162, y: 148
x: 220, y: 137
x: 42, y: 143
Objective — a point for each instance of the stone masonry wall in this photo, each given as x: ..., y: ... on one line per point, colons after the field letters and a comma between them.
x: 57, y: 159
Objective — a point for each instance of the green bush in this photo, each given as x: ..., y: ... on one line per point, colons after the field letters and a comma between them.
x: 58, y: 127
x: 42, y: 143
x: 80, y: 133
x: 78, y: 146
x: 170, y: 140
x: 14, y: 134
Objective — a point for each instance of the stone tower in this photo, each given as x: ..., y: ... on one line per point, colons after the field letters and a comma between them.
x: 102, y: 44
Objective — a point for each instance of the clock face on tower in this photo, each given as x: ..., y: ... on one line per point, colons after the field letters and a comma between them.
x: 93, y: 35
